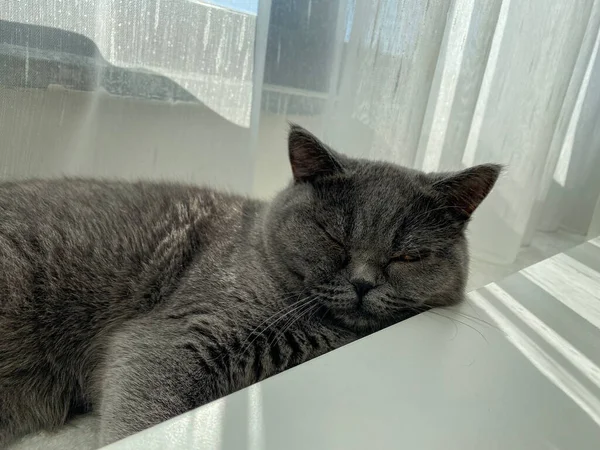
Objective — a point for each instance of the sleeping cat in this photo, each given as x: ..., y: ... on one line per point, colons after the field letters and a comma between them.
x: 140, y: 301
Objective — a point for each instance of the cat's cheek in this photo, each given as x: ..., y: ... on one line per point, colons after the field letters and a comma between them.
x: 311, y: 271
x: 322, y: 271
x: 414, y: 280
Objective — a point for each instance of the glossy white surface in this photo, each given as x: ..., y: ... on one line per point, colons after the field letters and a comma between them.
x: 528, y: 379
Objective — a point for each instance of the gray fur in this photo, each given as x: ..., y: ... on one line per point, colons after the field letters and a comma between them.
x: 141, y: 301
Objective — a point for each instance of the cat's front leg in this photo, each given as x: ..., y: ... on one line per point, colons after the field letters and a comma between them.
x: 152, y: 374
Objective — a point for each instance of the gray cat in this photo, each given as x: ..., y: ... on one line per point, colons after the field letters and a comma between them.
x: 141, y: 301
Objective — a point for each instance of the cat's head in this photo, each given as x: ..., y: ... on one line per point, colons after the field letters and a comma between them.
x: 370, y: 241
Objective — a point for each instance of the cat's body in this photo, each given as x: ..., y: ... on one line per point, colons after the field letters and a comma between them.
x: 95, y: 268
x: 141, y: 301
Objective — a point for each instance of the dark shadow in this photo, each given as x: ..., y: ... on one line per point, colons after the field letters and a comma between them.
x: 33, y: 56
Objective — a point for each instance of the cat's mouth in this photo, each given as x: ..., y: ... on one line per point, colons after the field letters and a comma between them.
x: 368, y: 312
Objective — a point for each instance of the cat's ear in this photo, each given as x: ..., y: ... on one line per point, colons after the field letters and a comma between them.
x: 309, y: 157
x: 465, y: 190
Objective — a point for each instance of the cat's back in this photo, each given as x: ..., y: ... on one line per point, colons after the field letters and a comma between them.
x: 78, y: 258
x: 84, y: 253
x: 94, y: 206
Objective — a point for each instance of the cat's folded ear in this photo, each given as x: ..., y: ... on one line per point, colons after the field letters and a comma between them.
x: 465, y: 190
x: 309, y: 157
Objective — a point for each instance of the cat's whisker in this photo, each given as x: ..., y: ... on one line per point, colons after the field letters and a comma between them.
x: 474, y: 309
x: 247, y: 344
x: 478, y: 320
x: 461, y: 322
x: 298, y: 311
x: 467, y: 316
x: 264, y: 324
x: 285, y: 308
x: 447, y: 318
x: 204, y: 310
x: 308, y: 307
x: 313, y: 313
x: 298, y: 305
x: 237, y: 305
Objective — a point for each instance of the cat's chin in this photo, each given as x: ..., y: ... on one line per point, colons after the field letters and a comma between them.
x: 359, y: 320
x: 362, y: 321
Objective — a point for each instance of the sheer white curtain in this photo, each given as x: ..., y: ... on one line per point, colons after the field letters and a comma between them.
x: 201, y: 90
x: 127, y: 88
x: 443, y: 85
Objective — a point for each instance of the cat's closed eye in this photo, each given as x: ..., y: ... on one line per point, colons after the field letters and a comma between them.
x: 330, y: 236
x: 409, y: 257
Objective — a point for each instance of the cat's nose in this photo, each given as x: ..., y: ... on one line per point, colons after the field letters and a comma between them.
x: 362, y: 287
